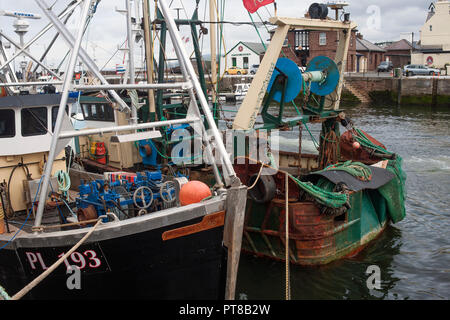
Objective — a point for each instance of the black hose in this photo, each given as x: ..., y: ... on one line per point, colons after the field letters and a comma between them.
x: 3, y: 206
x: 28, y: 176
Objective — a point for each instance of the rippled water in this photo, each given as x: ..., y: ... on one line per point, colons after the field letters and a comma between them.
x: 414, y: 254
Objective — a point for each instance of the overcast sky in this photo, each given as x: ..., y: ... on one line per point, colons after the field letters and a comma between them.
x: 381, y: 20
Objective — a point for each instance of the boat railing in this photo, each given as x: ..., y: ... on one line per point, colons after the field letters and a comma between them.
x: 191, y: 84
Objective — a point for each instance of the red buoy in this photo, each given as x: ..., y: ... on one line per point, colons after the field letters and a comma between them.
x: 356, y: 145
x: 194, y: 192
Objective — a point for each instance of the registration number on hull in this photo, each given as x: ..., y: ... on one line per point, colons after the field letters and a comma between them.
x: 87, y: 258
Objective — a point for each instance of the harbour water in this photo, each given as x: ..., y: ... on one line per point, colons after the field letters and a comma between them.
x: 413, y: 255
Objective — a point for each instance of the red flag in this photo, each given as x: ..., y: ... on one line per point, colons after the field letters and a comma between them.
x: 253, y: 5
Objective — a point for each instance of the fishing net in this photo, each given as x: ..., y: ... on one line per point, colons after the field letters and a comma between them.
x: 334, y: 199
x: 394, y: 191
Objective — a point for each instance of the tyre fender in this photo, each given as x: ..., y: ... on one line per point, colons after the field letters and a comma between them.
x: 264, y: 190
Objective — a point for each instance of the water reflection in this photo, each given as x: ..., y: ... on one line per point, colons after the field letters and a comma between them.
x: 344, y: 279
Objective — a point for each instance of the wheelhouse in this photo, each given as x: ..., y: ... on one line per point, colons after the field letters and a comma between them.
x: 27, y: 123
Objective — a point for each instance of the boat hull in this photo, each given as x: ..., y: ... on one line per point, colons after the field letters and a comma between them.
x: 184, y: 260
x: 314, y: 238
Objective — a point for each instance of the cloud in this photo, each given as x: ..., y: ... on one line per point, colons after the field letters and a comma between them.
x: 380, y: 20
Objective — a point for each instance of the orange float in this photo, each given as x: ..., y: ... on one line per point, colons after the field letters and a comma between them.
x: 194, y: 192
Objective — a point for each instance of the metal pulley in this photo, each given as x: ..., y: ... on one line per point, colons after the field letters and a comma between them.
x: 323, y: 74
x: 288, y: 71
x: 168, y: 191
x: 144, y: 195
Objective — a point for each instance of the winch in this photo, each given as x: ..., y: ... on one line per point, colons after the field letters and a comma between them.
x: 127, y: 195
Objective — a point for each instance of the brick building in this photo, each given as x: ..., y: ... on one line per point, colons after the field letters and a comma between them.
x: 399, y: 53
x: 369, y: 55
x: 303, y: 45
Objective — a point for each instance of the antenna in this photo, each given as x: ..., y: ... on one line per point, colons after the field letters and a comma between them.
x: 336, y: 6
x: 21, y: 26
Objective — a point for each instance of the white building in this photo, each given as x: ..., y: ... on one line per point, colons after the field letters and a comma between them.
x: 244, y: 55
x: 434, y: 43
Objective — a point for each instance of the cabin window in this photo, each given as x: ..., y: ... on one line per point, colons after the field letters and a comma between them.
x: 323, y: 39
x: 98, y: 112
x: 7, y: 123
x: 55, y: 115
x: 34, y: 121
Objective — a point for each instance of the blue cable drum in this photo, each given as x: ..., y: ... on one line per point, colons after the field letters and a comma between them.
x: 294, y: 80
x: 331, y: 81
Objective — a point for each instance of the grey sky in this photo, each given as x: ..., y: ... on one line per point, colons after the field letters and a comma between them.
x: 381, y: 20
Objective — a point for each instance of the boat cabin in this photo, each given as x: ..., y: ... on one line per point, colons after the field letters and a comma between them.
x: 26, y: 128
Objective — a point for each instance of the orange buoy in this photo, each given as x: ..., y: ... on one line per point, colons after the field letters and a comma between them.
x: 194, y: 192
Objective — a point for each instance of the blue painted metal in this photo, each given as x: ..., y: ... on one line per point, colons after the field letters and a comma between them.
x: 331, y: 81
x: 294, y: 80
x: 102, y: 195
x: 148, y: 159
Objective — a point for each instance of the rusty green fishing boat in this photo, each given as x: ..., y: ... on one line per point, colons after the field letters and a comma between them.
x: 337, y: 201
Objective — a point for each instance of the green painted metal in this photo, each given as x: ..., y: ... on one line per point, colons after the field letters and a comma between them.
x: 280, y: 84
x: 161, y: 63
x: 193, y: 23
x: 198, y: 54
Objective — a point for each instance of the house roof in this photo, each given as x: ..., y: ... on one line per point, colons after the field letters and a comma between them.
x: 256, y: 47
x: 431, y: 11
x: 399, y: 45
x: 431, y: 49
x: 364, y: 45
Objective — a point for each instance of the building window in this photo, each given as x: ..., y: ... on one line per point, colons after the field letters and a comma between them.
x: 7, y: 123
x: 34, y: 121
x: 431, y: 28
x: 245, y: 63
x: 302, y: 40
x: 234, y: 62
x: 322, y: 39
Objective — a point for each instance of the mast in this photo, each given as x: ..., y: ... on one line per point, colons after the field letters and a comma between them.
x: 212, y: 30
x: 149, y: 58
x: 134, y: 117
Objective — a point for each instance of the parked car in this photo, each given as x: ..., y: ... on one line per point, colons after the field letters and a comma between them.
x: 254, y: 69
x: 417, y: 69
x: 385, y: 66
x: 236, y: 70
